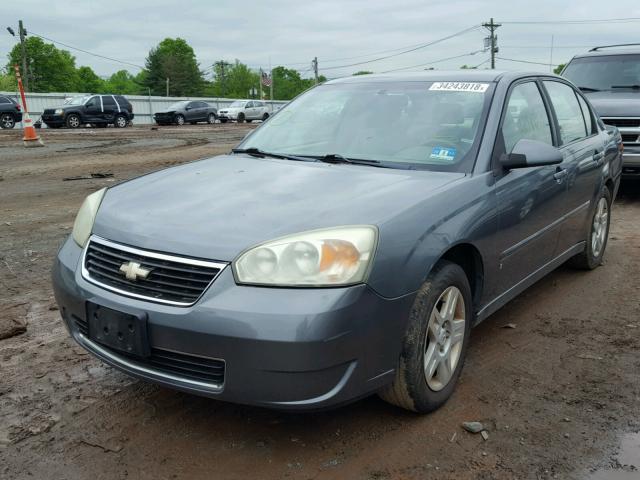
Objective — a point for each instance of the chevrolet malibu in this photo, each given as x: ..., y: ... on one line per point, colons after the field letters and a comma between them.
x: 348, y: 245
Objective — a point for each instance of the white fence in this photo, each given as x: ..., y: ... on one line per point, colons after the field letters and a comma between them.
x: 143, y: 106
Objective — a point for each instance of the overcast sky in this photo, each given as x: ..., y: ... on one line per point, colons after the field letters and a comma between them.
x: 292, y: 32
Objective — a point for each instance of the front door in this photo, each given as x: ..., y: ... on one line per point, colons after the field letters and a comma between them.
x: 530, y: 200
x: 92, y: 110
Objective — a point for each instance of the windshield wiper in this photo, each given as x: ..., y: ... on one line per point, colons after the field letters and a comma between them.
x: 589, y: 89
x: 337, y: 158
x: 634, y: 87
x: 256, y: 152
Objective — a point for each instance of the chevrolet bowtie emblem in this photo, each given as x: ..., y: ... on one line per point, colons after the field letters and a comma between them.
x: 133, y: 271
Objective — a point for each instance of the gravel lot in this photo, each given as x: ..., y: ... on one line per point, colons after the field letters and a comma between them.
x: 559, y: 393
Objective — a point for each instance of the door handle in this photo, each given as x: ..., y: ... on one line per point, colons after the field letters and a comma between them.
x: 598, y: 157
x: 560, y: 174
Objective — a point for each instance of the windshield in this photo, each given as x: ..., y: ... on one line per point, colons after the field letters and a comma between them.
x: 76, y: 100
x: 237, y: 104
x: 604, y: 73
x: 430, y: 125
x: 176, y: 106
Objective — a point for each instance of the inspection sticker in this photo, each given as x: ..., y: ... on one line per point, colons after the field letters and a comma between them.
x: 460, y: 87
x: 440, y: 153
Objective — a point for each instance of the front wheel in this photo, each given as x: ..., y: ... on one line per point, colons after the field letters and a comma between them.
x: 7, y: 121
x: 73, y: 121
x: 179, y: 119
x: 211, y: 118
x: 596, y: 241
x: 435, y: 343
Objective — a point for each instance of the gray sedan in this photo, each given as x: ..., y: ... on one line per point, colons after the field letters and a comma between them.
x: 348, y: 245
x: 186, y: 111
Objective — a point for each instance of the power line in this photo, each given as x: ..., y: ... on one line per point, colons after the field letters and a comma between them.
x: 86, y: 51
x: 527, y: 61
x: 461, y: 32
x: 576, y: 22
x: 432, y: 62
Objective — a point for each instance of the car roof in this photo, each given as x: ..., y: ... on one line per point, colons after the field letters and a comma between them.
x: 462, y: 75
x: 610, y: 51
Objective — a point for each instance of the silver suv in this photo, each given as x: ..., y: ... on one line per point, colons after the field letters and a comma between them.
x: 609, y: 77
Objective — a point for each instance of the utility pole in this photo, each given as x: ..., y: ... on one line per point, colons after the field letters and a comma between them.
x: 492, y: 27
x: 314, y: 65
x: 221, y: 66
x: 23, y: 33
x: 551, y: 56
x: 167, y: 86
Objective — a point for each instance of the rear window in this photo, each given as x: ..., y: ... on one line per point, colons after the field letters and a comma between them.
x: 121, y: 100
x: 608, y: 72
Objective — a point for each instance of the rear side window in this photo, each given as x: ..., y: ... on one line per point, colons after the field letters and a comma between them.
x: 121, y: 100
x: 565, y: 103
x: 108, y: 100
x: 588, y: 116
x: 526, y: 117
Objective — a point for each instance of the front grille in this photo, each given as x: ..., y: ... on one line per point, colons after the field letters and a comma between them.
x: 49, y: 111
x: 630, y: 138
x: 622, y: 122
x: 81, y: 325
x: 173, y: 280
x: 190, y: 366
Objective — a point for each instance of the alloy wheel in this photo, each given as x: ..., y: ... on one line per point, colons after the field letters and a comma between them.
x: 7, y: 121
x: 444, y: 338
x: 600, y: 227
x: 121, y: 122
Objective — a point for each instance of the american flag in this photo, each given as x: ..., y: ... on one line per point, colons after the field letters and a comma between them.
x: 266, y: 79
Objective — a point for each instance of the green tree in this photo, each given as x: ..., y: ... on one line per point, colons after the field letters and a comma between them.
x: 123, y: 83
x: 559, y: 68
x: 50, y: 69
x: 363, y: 72
x: 174, y: 59
x: 7, y: 83
x: 88, y: 81
x: 287, y: 83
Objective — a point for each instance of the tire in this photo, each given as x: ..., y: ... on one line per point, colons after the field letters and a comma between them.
x: 265, y: 116
x: 597, y: 235
x: 240, y: 118
x: 120, y: 121
x: 211, y: 118
x: 7, y: 121
x: 73, y: 121
x: 223, y: 120
x: 179, y: 119
x: 429, y: 337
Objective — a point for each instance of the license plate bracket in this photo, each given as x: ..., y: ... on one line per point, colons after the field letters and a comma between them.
x: 124, y: 332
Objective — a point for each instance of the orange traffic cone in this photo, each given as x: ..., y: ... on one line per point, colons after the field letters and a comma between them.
x: 31, y: 138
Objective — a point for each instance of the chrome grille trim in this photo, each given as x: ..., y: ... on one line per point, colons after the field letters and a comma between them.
x: 154, y: 255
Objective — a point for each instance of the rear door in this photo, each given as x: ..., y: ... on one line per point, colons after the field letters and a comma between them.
x: 530, y: 200
x: 109, y: 108
x: 583, y: 151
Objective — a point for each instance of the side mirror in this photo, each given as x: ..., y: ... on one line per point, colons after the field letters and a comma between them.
x: 531, y: 153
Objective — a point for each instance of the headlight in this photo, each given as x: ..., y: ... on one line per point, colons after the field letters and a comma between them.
x: 58, y: 111
x: 319, y: 258
x: 86, y: 216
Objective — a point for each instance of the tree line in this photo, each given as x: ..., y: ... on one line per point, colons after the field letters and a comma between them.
x: 51, y: 69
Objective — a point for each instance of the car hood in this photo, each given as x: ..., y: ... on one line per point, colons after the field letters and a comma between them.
x: 231, y: 109
x: 616, y: 103
x: 165, y: 111
x: 218, y: 207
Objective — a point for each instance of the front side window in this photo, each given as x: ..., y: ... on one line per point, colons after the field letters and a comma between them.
x: 76, y: 100
x: 526, y: 117
x: 238, y: 104
x: 419, y: 124
x: 568, y: 111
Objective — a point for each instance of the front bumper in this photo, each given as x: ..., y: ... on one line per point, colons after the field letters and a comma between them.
x: 52, y: 119
x: 631, y: 162
x: 228, y: 115
x: 282, y: 348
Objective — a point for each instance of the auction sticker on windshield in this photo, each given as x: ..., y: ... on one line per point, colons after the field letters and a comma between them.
x: 460, y: 87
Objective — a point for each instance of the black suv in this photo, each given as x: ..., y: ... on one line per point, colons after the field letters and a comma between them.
x: 609, y: 76
x: 10, y: 112
x: 98, y: 110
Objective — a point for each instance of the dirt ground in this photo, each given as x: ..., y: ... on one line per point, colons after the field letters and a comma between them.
x: 559, y: 393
